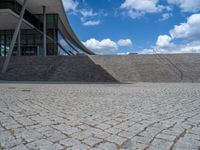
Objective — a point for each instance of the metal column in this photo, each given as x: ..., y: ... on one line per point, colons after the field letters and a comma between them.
x: 19, y: 44
x: 14, y: 38
x: 44, y: 31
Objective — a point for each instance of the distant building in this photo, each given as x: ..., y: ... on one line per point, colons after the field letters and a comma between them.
x: 133, y: 54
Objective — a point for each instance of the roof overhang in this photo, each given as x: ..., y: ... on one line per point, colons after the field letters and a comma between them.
x: 55, y: 6
x: 10, y: 20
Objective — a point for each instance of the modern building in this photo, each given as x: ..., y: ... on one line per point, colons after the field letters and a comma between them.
x: 37, y: 28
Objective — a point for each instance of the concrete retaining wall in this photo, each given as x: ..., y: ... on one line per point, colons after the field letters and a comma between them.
x: 152, y: 68
x: 127, y: 69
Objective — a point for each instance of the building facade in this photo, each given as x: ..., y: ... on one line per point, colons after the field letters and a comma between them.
x: 44, y: 29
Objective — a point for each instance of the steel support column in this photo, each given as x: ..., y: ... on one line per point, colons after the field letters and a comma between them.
x: 44, y: 31
x: 19, y: 44
x: 14, y: 38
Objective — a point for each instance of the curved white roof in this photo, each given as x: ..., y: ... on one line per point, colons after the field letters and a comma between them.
x: 55, y: 6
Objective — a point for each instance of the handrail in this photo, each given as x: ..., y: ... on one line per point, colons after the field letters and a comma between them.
x: 171, y: 63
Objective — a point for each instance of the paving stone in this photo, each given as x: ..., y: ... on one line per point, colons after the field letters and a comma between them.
x: 112, y: 122
x: 84, y: 127
x: 107, y: 146
x: 20, y: 147
x: 79, y: 147
x: 101, y: 135
x: 56, y: 137
x: 27, y: 134
x: 113, y: 130
x: 95, y: 148
x: 81, y: 135
x: 103, y: 126
x: 92, y: 141
x: 132, y: 116
x: 1, y: 129
x: 161, y: 144
x: 126, y: 134
x: 116, y: 139
x: 7, y: 140
x: 66, y: 129
x: 25, y: 121
x: 166, y: 137
x: 70, y: 142
x: 44, y: 145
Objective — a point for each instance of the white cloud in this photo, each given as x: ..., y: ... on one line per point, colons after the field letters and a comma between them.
x: 189, y: 30
x: 166, y: 16
x: 164, y: 41
x: 70, y: 5
x: 187, y: 5
x: 105, y: 46
x: 141, y: 5
x: 127, y: 53
x: 91, y: 22
x: 192, y: 47
x: 87, y: 16
x: 88, y: 13
x: 125, y: 42
x: 91, y: 18
x: 138, y: 8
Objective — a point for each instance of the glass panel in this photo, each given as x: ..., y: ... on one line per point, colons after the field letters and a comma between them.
x: 67, y: 46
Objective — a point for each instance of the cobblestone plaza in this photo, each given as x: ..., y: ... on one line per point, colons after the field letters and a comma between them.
x: 100, y: 116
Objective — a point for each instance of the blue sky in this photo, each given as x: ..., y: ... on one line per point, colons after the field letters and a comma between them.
x: 136, y: 26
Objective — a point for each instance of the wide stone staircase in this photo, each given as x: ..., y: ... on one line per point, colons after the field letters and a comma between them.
x: 78, y: 68
x: 125, y: 69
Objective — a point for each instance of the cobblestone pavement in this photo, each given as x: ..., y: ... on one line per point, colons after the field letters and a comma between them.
x: 100, y: 117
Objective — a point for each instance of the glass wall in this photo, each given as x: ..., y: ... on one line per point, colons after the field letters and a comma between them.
x: 5, y: 38
x: 32, y: 39
x: 59, y: 41
x: 67, y: 47
x: 66, y: 42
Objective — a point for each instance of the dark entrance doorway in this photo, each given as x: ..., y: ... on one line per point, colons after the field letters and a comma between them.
x: 27, y: 51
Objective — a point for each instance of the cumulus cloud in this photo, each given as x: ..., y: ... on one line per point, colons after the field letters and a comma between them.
x: 70, y: 5
x: 149, y: 6
x: 125, y: 42
x: 189, y: 29
x: 187, y: 5
x: 138, y: 8
x: 106, y: 46
x: 164, y: 41
x: 191, y: 47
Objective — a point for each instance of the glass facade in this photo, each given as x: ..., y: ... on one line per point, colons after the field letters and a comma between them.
x: 32, y: 39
